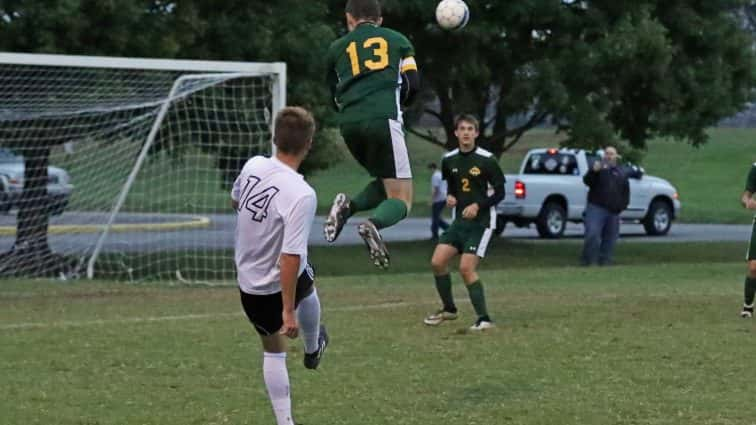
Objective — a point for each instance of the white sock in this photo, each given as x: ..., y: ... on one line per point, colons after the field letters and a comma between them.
x: 308, y: 316
x: 277, y: 382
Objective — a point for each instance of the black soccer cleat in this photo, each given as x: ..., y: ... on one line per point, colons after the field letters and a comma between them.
x: 747, y: 312
x: 312, y: 360
x: 378, y: 252
x: 337, y: 217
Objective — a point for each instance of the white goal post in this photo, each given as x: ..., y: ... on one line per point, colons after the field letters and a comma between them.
x: 141, y: 156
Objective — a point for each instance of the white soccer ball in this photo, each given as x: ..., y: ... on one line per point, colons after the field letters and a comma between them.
x: 452, y: 14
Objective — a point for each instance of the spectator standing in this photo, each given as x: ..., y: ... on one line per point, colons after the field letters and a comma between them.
x: 438, y: 201
x: 608, y: 196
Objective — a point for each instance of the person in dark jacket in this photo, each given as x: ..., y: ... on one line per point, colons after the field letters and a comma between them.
x: 608, y: 196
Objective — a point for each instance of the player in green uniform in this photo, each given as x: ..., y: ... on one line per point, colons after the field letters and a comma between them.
x: 750, y: 281
x: 475, y: 185
x: 372, y: 72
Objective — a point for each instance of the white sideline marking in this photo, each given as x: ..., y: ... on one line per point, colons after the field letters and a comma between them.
x: 150, y: 319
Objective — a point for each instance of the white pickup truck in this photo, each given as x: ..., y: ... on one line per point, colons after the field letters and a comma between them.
x: 549, y: 191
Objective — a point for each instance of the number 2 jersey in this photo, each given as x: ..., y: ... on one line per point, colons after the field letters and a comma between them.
x: 275, y: 214
x: 474, y: 177
x: 364, y: 72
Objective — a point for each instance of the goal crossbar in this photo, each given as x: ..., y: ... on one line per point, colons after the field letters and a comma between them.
x: 259, y: 68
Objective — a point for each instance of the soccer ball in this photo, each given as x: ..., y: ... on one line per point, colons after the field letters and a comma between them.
x: 452, y: 14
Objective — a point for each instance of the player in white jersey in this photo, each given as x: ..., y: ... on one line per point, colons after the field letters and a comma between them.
x: 276, y: 208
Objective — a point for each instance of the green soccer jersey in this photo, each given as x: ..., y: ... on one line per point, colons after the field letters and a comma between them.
x: 751, y: 180
x: 470, y: 177
x: 750, y: 186
x: 364, y: 72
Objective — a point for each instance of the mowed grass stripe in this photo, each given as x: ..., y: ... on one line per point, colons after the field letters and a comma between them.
x: 640, y: 344
x: 212, y: 316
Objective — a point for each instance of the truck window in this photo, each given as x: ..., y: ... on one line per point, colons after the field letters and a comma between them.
x: 559, y: 163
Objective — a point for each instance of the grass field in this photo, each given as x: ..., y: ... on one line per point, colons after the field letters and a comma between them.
x: 410, y: 257
x: 655, y: 340
x: 709, y: 179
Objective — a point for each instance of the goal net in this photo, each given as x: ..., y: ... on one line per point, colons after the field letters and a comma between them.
x: 121, y: 168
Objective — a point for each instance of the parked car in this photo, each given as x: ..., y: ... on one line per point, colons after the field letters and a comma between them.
x: 549, y: 191
x: 59, y: 187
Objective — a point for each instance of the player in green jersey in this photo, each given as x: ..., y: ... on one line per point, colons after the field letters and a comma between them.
x: 475, y: 185
x: 750, y: 281
x: 372, y: 72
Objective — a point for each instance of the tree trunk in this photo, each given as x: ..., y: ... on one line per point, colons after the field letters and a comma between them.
x: 497, y: 149
x: 31, y: 254
x: 447, y: 118
x: 33, y: 213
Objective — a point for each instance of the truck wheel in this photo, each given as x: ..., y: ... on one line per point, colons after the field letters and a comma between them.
x: 551, y: 221
x: 501, y: 224
x: 659, y: 218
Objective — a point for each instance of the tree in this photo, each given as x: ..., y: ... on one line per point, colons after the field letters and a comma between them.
x: 232, y: 30
x: 70, y: 26
x: 31, y: 251
x: 599, y: 71
x: 287, y: 30
x: 748, y: 14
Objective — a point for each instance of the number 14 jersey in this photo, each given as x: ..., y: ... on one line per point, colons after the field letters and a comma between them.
x: 365, y: 69
x: 275, y: 214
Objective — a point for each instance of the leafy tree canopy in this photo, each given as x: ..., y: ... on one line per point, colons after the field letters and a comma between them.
x: 599, y: 70
x: 238, y: 30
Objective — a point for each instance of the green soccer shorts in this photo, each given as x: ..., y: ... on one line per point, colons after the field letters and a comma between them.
x: 379, y: 146
x: 751, y: 254
x: 469, y: 237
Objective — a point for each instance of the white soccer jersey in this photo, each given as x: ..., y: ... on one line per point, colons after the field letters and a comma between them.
x: 275, y: 214
x: 438, y: 183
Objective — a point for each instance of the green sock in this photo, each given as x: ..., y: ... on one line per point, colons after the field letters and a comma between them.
x: 750, y: 290
x: 444, y: 288
x: 478, y: 298
x: 388, y: 213
x: 370, y: 197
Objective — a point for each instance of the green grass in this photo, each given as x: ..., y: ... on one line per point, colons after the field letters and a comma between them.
x: 410, y: 257
x: 190, y: 186
x: 635, y: 344
x: 709, y: 179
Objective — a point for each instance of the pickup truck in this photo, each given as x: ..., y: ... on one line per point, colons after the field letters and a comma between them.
x: 549, y: 191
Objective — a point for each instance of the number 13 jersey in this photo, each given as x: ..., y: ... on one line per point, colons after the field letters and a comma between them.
x: 364, y: 71
x: 276, y: 208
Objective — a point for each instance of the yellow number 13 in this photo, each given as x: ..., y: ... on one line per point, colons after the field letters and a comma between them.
x: 380, y: 58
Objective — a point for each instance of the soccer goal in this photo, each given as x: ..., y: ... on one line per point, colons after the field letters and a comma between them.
x: 121, y: 168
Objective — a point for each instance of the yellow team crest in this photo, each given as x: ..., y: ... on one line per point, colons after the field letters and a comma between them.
x: 474, y: 171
